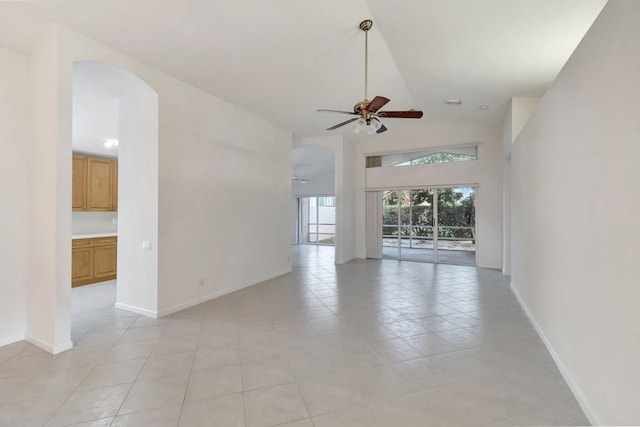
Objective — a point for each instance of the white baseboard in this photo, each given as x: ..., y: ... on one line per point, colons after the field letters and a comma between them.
x: 11, y: 339
x: 48, y: 347
x: 217, y: 294
x: 575, y: 389
x: 137, y: 310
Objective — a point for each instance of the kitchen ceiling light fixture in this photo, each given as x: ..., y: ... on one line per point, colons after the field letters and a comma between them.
x: 109, y: 143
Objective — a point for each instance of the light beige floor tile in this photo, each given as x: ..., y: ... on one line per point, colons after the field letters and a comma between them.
x: 329, y: 394
x: 51, y: 383
x: 163, y: 417
x: 155, y: 393
x: 92, y: 339
x: 274, y: 405
x: 170, y: 364
x: 225, y: 411
x: 218, y: 339
x: 266, y: 373
x: 103, y: 422
x: 146, y: 333
x: 9, y: 385
x: 209, y: 358
x: 216, y: 382
x: 300, y: 423
x: 88, y: 405
x: 175, y: 344
x: 395, y: 350
x: 181, y: 327
x: 113, y: 373
x: 355, y: 416
x: 336, y: 327
x: 128, y: 351
x: 30, y: 411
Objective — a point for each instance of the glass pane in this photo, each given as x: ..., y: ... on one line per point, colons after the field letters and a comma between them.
x: 404, y: 199
x: 456, y: 225
x: 313, y: 210
x: 435, y: 155
x: 390, y: 208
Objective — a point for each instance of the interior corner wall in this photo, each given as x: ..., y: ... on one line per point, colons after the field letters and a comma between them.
x: 521, y: 110
x: 15, y: 139
x: 576, y: 228
x: 507, y: 141
x: 486, y: 172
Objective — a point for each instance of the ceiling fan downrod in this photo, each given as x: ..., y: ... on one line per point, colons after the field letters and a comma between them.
x: 366, y: 26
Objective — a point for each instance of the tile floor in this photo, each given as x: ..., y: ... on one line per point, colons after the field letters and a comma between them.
x: 369, y: 343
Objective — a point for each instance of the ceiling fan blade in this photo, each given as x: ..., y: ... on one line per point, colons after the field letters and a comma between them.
x: 382, y: 127
x: 343, y: 123
x: 377, y: 103
x: 411, y: 114
x: 338, y: 111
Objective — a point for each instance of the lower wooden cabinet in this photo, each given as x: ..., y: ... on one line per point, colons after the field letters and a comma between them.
x: 93, y: 260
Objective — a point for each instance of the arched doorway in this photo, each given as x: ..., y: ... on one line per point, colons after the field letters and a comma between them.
x: 115, y: 116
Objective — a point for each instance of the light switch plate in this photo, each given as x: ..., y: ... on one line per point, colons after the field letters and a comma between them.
x: 146, y: 245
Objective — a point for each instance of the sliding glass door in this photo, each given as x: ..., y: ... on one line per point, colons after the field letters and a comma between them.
x: 414, y: 228
x: 316, y: 220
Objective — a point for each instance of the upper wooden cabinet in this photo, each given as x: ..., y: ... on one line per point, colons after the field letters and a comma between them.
x: 95, y: 184
x: 99, y: 184
x: 79, y: 183
x: 114, y: 185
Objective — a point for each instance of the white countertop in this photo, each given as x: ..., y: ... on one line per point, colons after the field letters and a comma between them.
x: 94, y: 235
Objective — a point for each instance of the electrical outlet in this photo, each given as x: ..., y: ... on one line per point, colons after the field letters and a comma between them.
x: 201, y: 282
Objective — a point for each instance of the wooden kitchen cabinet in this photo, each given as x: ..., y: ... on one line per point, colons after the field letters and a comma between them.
x: 99, y: 184
x: 105, y: 257
x: 95, y: 184
x: 114, y: 185
x: 93, y: 260
x: 81, y: 262
x: 79, y: 183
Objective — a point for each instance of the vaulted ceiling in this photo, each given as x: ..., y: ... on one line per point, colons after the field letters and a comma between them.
x: 283, y: 59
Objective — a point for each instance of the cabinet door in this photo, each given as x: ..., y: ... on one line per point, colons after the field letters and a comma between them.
x: 81, y: 266
x: 79, y: 183
x: 104, y: 262
x: 114, y: 186
x: 99, y: 184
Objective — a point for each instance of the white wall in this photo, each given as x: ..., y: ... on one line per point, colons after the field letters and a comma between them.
x: 93, y: 222
x: 14, y: 187
x: 576, y: 228
x: 48, y: 322
x: 225, y: 197
x: 137, y: 284
x: 486, y: 172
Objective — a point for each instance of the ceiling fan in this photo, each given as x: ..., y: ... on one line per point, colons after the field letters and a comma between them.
x: 368, y: 112
x: 296, y: 178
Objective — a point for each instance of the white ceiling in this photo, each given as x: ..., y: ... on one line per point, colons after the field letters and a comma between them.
x: 97, y: 89
x: 283, y: 59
